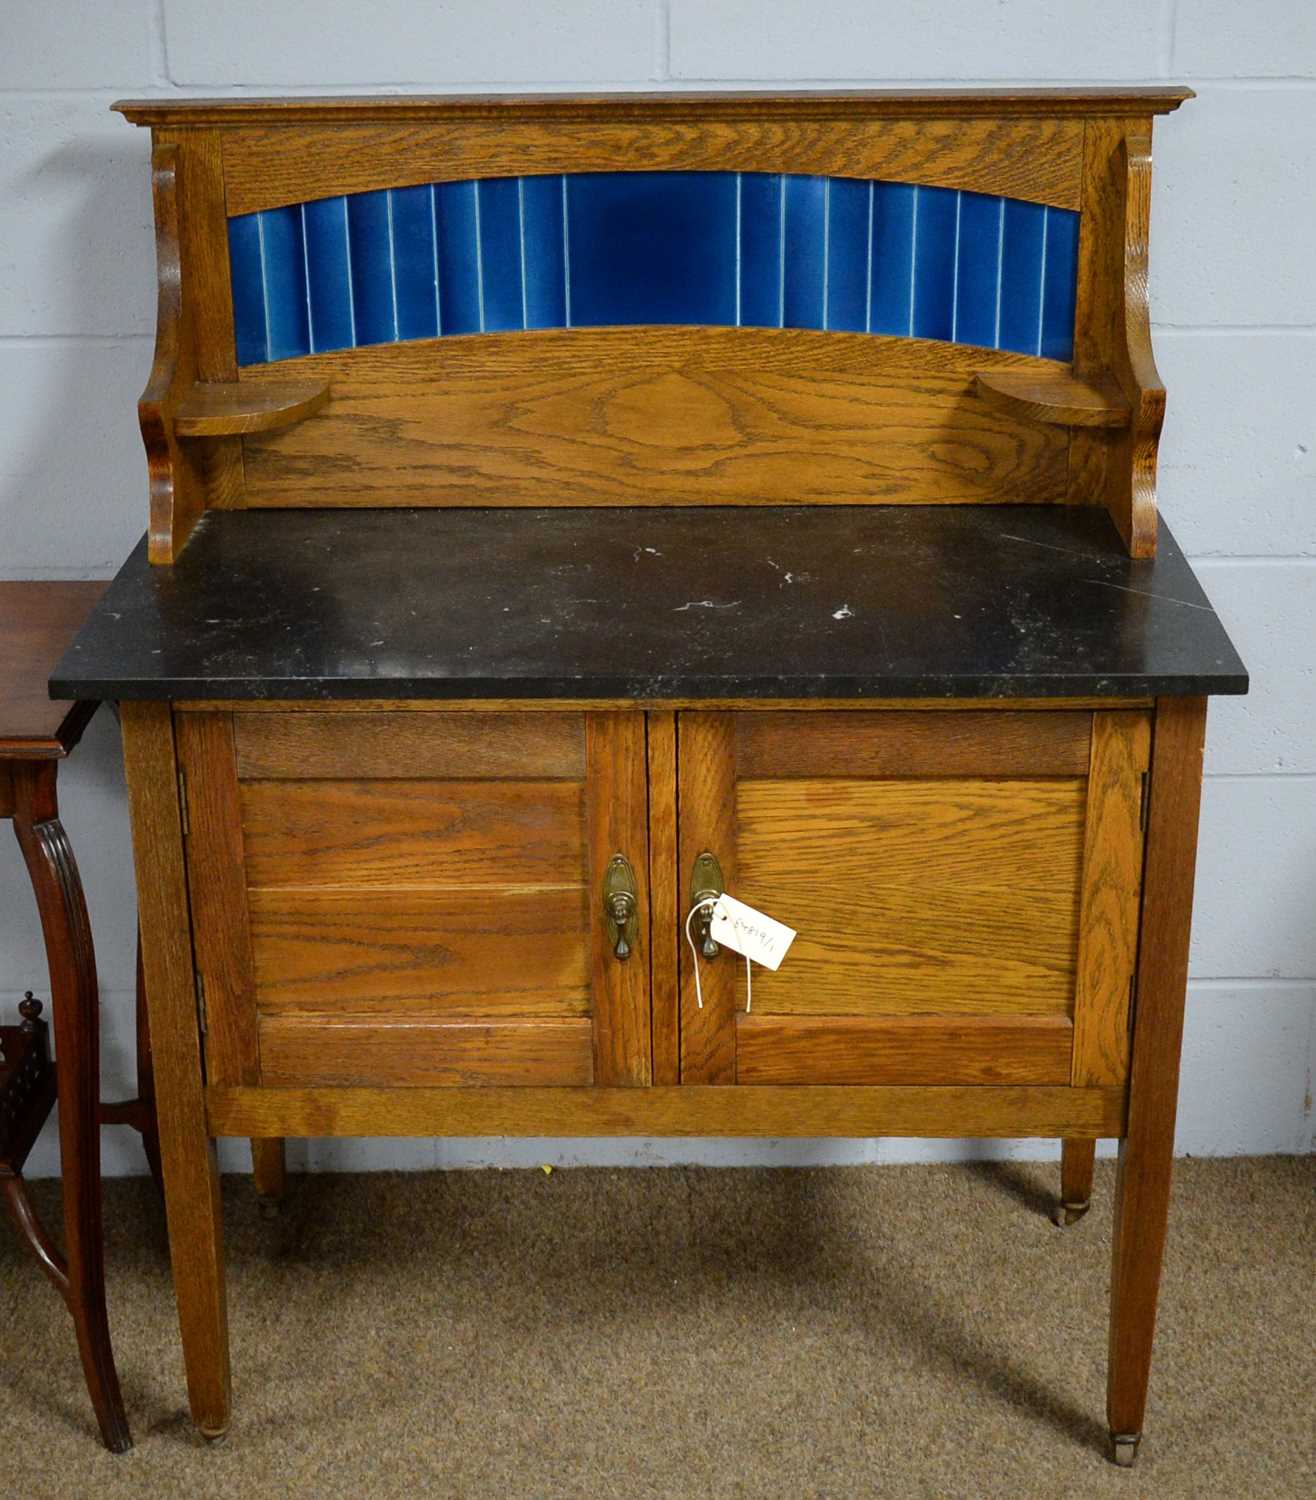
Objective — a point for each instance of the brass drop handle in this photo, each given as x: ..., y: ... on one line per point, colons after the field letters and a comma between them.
x: 621, y: 906
x: 706, y: 885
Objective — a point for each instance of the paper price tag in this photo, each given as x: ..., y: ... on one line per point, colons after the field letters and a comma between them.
x: 744, y: 930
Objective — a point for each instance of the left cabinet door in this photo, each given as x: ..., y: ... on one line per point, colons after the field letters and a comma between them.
x: 400, y: 897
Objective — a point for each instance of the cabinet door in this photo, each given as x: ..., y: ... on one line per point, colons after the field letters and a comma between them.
x: 964, y: 883
x: 416, y: 898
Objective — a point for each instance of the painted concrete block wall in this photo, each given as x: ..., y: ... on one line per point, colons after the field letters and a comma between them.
x: 1233, y: 300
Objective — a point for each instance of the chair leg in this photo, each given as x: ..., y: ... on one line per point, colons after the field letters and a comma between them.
x: 76, y: 1015
x: 271, y: 1173
x: 1077, y: 1161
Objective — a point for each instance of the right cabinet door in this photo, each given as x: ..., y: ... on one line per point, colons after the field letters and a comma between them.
x: 964, y: 882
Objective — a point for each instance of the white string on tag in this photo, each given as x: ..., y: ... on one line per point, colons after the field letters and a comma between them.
x: 699, y: 993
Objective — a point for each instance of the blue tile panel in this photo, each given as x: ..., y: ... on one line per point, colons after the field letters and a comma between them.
x: 603, y: 249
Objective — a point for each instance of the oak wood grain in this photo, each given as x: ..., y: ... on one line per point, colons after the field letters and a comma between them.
x: 391, y: 744
x: 222, y: 932
x: 654, y: 416
x: 214, y: 408
x: 269, y: 163
x: 490, y: 951
x: 902, y: 1050
x: 666, y: 908
x: 190, y: 1171
x: 1112, y: 877
x: 1142, y: 1182
x: 912, y: 897
x: 407, y: 1052
x: 610, y: 705
x: 616, y: 815
x: 413, y: 833
x: 706, y: 750
x: 780, y: 745
x: 1059, y: 397
x: 726, y: 104
x: 684, y: 1110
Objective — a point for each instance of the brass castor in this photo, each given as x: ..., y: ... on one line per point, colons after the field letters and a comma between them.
x: 1069, y: 1213
x: 1124, y: 1448
x: 269, y: 1207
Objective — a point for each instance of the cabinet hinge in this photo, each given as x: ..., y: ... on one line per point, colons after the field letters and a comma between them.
x: 1142, y: 804
x: 182, y: 803
x: 203, y: 1021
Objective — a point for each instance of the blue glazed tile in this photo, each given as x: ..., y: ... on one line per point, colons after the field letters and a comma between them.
x: 978, y: 270
x: 891, y: 280
x: 1060, y: 280
x: 329, y: 280
x: 711, y: 248
x: 936, y: 213
x: 248, y: 289
x: 459, y: 259
x: 500, y: 253
x: 761, y: 201
x: 370, y: 240
x: 806, y: 252
x: 849, y: 220
x: 415, y: 263
x: 652, y: 247
x: 284, y: 253
x: 1021, y: 276
x: 545, y: 269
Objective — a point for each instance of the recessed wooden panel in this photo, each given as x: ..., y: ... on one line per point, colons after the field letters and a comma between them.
x: 907, y: 1050
x: 390, y: 833
x: 503, y: 952
x: 1036, y: 159
x: 780, y: 745
x: 655, y: 416
x: 912, y: 897
x: 305, y: 1050
x: 459, y: 747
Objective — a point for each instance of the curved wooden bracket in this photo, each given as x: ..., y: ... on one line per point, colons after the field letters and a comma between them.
x: 1059, y: 397
x: 1136, y: 371
x: 176, y: 499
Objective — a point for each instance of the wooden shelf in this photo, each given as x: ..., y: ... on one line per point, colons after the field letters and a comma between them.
x: 1062, y: 399
x: 228, y: 409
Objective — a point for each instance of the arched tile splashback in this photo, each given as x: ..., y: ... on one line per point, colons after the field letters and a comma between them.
x: 611, y: 248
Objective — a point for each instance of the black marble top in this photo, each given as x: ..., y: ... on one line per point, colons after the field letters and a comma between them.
x: 777, y: 602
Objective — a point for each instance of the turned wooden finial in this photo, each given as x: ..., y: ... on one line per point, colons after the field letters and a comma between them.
x: 30, y: 1010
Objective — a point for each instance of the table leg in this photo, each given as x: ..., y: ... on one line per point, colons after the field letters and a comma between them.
x: 192, y: 1202
x: 271, y: 1173
x: 76, y: 1014
x: 1077, y: 1161
x: 1142, y: 1183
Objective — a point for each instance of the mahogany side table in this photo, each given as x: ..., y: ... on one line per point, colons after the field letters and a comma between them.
x: 37, y: 622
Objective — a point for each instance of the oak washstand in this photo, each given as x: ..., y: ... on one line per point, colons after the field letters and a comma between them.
x: 563, y: 509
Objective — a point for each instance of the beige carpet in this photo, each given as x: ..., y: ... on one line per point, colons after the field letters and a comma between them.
x: 898, y: 1331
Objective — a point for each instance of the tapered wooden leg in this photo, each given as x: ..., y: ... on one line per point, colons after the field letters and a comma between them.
x: 1142, y: 1186
x: 269, y: 1169
x: 75, y: 1004
x: 1077, y: 1161
x: 187, y: 1152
